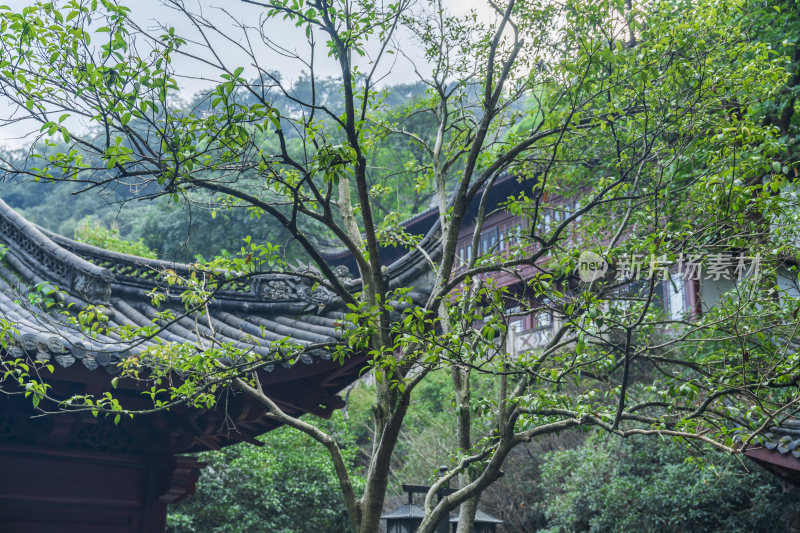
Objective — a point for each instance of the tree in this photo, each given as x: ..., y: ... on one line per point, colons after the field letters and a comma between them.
x: 644, y: 485
x: 256, y: 488
x: 648, y: 114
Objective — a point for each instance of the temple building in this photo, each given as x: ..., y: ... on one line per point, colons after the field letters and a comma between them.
x: 75, y: 472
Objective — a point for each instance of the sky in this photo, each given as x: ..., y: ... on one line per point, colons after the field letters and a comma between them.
x: 148, y: 14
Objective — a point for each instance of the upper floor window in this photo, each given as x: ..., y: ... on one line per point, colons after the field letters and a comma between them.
x: 559, y: 214
x: 513, y: 235
x: 544, y: 320
x: 464, y: 256
x: 488, y: 242
x: 576, y: 206
x: 547, y: 221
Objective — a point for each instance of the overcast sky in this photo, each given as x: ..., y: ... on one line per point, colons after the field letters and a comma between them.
x: 149, y: 13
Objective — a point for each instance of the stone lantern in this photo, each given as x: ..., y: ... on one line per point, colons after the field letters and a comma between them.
x: 408, y: 517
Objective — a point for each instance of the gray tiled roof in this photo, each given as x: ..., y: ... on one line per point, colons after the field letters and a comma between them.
x: 248, y: 313
x: 407, y: 510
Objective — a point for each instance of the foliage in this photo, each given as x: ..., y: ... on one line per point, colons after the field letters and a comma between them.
x: 778, y: 24
x: 284, y: 486
x: 568, y: 483
x: 642, y: 484
x: 90, y: 231
x: 652, y: 115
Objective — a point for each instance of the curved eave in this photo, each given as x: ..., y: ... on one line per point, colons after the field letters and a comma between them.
x: 785, y: 466
x: 236, y: 417
x: 284, y: 309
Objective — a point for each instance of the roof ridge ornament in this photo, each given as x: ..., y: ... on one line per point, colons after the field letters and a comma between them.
x: 307, y: 286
